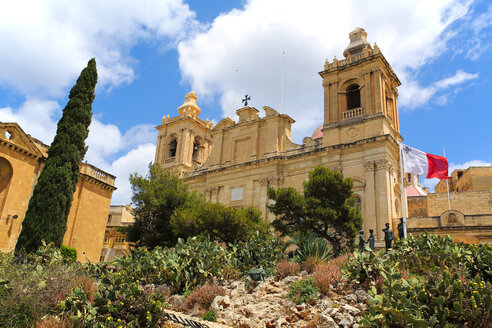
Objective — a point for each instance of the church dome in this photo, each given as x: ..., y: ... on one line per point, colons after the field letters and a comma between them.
x: 318, y: 133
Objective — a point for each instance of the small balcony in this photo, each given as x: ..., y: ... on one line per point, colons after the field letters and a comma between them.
x: 352, y: 113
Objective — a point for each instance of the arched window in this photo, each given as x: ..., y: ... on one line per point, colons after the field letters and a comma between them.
x: 6, y: 173
x: 196, y: 149
x: 353, y: 96
x: 173, y: 145
x: 358, y: 202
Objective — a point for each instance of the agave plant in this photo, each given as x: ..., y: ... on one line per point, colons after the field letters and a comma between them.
x: 309, y: 246
x: 316, y: 248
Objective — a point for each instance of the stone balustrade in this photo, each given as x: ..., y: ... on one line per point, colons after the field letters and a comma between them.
x: 96, y: 173
x: 351, y: 113
x: 352, y: 59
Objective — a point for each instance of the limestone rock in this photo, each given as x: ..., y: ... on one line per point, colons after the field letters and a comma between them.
x: 350, y: 309
x: 362, y: 295
x: 346, y: 320
x: 351, y: 298
x: 326, y: 321
x: 176, y: 302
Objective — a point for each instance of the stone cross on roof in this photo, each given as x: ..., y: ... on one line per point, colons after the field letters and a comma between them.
x: 245, y: 100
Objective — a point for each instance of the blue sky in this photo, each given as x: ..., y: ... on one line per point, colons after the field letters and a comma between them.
x: 151, y: 53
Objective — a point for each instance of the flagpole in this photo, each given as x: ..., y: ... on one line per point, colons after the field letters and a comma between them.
x: 282, y: 87
x: 403, y: 207
x: 234, y: 90
x: 447, y: 183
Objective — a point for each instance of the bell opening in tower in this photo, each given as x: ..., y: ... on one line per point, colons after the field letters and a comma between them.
x: 353, y: 96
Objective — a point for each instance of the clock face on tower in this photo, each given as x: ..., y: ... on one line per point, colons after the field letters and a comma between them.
x: 5, y: 173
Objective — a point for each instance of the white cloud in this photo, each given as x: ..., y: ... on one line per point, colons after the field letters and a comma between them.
x: 482, y: 21
x: 45, y: 44
x: 479, y: 43
x: 431, y: 183
x: 414, y: 95
x: 135, y: 161
x: 36, y: 117
x: 110, y: 150
x: 252, y: 40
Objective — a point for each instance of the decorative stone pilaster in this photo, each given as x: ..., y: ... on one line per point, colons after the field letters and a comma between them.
x: 382, y: 164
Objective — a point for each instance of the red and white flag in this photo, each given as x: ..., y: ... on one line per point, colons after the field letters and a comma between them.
x: 418, y: 162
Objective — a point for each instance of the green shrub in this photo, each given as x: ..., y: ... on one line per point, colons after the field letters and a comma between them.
x: 443, y: 300
x: 221, y: 222
x: 303, y: 291
x: 69, y: 253
x: 261, y: 250
x: 428, y: 281
x: 365, y: 267
x: 118, y: 302
x: 18, y: 315
x: 427, y: 251
x: 210, y: 316
x: 32, y: 286
x: 188, y: 265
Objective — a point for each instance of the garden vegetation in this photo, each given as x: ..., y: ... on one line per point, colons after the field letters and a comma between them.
x: 426, y: 281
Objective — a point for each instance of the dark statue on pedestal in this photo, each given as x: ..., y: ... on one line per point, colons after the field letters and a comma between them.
x: 388, y: 236
x: 362, y: 242
x: 371, y: 240
x: 400, y: 229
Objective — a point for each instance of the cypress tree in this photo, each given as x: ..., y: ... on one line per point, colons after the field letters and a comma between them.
x: 47, y: 212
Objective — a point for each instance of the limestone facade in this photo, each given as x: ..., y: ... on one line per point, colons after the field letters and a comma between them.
x: 234, y: 162
x: 22, y: 159
x: 472, y: 179
x: 115, y: 243
x: 470, y: 217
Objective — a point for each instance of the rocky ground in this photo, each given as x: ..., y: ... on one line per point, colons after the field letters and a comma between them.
x: 265, y: 304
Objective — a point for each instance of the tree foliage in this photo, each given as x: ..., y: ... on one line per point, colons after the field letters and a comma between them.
x: 47, y: 212
x: 223, y: 223
x: 326, y: 208
x: 155, y: 198
x: 165, y: 209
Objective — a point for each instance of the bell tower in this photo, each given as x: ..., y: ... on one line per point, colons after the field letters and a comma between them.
x: 360, y: 94
x: 184, y: 141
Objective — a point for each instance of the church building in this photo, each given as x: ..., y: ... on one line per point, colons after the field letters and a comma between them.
x: 235, y: 162
x: 22, y: 159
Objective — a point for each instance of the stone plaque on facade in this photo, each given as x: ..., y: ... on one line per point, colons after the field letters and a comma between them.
x: 236, y: 194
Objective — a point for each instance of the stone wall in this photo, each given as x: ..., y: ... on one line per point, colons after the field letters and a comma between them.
x: 463, y: 228
x: 471, y: 179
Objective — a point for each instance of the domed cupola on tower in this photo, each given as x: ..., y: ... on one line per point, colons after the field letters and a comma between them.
x: 358, y: 43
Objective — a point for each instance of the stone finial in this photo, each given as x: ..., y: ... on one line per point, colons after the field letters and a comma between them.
x: 189, y: 106
x: 358, y: 43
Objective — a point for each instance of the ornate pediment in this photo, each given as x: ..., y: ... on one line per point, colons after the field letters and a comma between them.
x: 224, y: 123
x: 12, y: 133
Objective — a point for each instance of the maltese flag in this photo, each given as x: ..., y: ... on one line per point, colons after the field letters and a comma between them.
x: 418, y: 162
